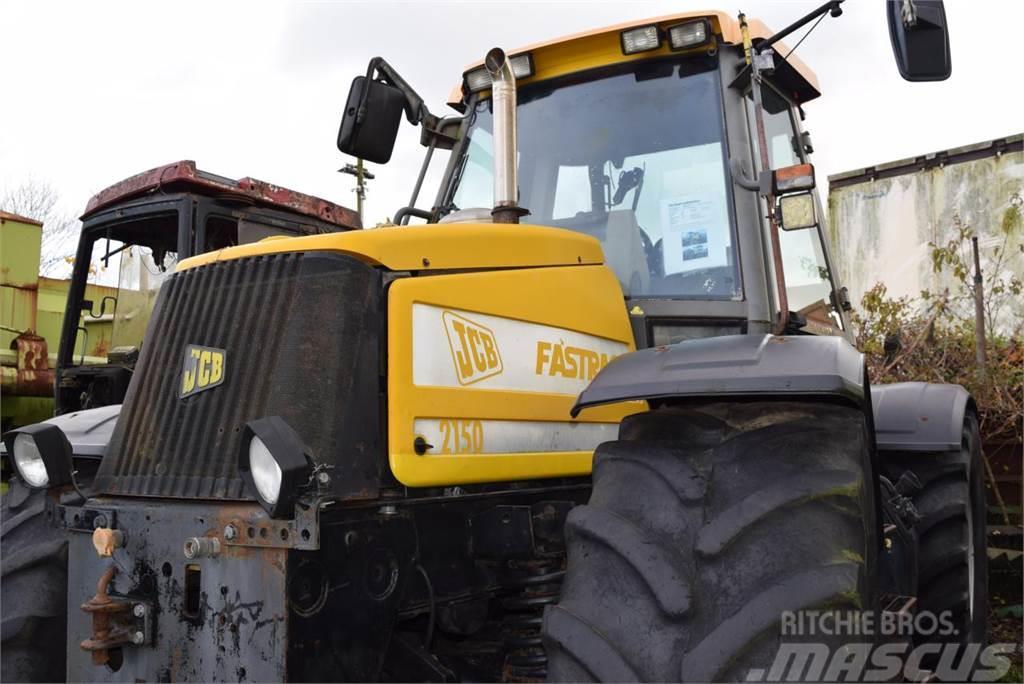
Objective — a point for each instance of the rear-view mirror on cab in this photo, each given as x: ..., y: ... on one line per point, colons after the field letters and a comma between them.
x: 920, y: 39
x: 369, y: 125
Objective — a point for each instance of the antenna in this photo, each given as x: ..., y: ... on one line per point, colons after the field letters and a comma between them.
x: 362, y: 175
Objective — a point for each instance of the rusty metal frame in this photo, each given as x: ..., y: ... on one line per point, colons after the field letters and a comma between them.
x: 301, y: 533
x: 184, y: 173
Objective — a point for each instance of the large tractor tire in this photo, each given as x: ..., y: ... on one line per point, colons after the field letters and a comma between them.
x: 952, y: 558
x: 33, y: 589
x: 704, y: 526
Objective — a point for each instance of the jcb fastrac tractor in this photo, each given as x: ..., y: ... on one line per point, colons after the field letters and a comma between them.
x: 600, y: 419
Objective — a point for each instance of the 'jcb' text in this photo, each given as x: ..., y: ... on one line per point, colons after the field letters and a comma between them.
x: 474, y: 349
x: 556, y: 358
x: 203, y: 369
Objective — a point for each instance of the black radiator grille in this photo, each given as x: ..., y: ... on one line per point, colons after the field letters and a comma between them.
x: 280, y: 320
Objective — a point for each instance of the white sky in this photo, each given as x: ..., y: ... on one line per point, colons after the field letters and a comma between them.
x: 93, y: 92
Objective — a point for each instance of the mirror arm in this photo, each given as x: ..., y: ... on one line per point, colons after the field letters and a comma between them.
x: 415, y: 109
x: 740, y: 177
x: 832, y: 6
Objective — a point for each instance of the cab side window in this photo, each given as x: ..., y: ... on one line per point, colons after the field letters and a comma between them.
x: 808, y: 282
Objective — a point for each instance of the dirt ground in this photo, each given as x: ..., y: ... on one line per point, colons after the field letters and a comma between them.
x: 1008, y: 630
x: 1005, y: 622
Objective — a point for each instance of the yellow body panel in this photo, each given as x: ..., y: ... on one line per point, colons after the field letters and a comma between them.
x: 602, y: 47
x: 578, y: 300
x: 433, y: 247
x: 544, y: 313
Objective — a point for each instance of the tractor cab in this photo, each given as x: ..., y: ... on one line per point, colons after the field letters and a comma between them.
x: 133, y: 235
x: 676, y: 142
x: 638, y: 153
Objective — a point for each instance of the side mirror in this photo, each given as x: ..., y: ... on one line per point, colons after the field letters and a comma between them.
x: 369, y: 125
x: 920, y: 39
x: 797, y: 211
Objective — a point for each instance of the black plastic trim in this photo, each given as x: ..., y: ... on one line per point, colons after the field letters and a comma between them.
x: 919, y: 416
x: 737, y: 365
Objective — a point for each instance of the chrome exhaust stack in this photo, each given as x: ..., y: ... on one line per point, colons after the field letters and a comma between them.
x: 503, y: 102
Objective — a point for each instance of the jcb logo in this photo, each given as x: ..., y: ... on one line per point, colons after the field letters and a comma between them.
x: 203, y: 369
x: 474, y: 349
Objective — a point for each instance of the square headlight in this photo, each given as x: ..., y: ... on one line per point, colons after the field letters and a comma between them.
x: 640, y: 39
x: 689, y: 35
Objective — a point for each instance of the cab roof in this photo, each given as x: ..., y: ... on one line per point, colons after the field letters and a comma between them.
x: 601, y: 47
x: 184, y: 176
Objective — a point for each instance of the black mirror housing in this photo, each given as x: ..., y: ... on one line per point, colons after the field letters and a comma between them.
x: 369, y: 125
x: 920, y: 39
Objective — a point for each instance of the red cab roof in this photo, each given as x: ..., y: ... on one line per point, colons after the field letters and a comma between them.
x: 183, y: 175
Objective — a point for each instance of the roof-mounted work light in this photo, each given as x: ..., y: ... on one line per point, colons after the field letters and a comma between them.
x: 480, y: 79
x: 273, y: 462
x: 690, y: 34
x: 640, y: 39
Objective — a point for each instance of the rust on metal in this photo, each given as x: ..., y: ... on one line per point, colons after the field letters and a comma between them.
x: 105, y: 636
x: 32, y: 351
x: 33, y: 376
x: 8, y: 216
x: 185, y: 173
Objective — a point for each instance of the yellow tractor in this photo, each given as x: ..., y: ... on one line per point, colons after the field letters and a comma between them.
x: 598, y: 419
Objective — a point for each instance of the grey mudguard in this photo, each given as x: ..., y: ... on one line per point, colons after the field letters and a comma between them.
x: 749, y: 365
x: 89, y: 431
x: 919, y: 416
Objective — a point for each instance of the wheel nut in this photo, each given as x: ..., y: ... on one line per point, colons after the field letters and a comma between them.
x: 139, y: 610
x: 138, y: 638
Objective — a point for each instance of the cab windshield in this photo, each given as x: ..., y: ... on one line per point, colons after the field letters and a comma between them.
x: 129, y: 262
x: 142, y: 272
x: 635, y: 159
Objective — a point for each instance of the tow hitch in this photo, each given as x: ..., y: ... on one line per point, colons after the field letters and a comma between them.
x: 116, y: 621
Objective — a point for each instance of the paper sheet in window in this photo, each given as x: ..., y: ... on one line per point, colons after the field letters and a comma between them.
x: 695, y: 234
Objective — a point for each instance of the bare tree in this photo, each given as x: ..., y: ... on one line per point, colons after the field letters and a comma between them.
x: 38, y: 200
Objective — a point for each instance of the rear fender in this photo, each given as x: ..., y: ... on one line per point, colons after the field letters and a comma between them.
x: 920, y: 416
